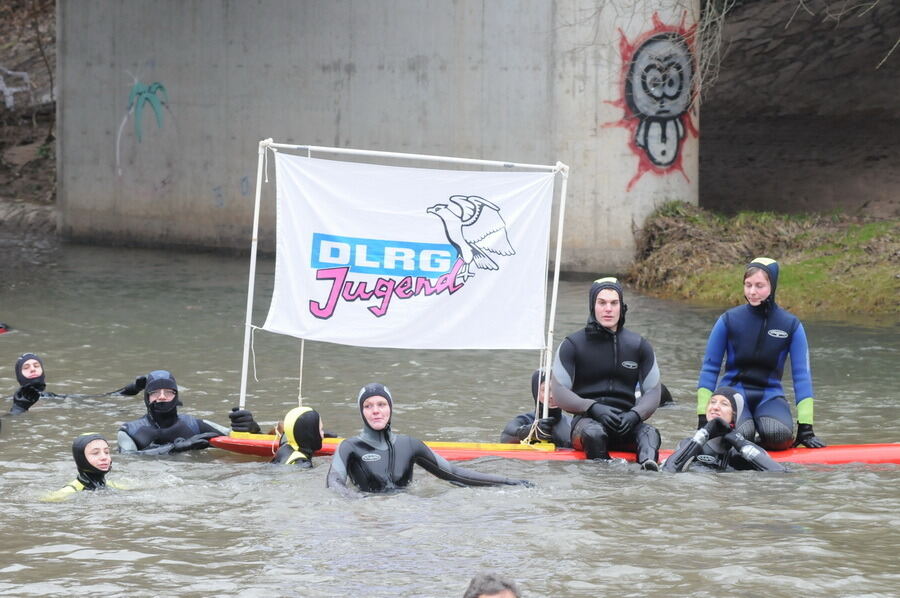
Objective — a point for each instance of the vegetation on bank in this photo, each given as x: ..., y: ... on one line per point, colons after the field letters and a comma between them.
x: 830, y: 264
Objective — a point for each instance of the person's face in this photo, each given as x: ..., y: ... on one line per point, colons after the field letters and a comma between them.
x: 542, y: 396
x: 757, y: 288
x: 162, y: 395
x: 32, y: 368
x: 500, y: 594
x: 607, y: 308
x: 321, y: 429
x: 97, y: 454
x: 377, y: 412
x: 719, y: 406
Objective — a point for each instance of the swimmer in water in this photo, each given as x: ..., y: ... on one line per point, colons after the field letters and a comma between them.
x: 379, y: 460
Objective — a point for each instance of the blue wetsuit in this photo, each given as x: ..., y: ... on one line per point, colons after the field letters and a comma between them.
x: 755, y: 342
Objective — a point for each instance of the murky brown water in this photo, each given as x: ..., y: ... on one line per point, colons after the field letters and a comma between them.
x: 218, y: 523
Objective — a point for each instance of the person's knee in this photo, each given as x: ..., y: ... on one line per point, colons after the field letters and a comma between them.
x: 774, y: 434
x: 747, y: 429
x: 592, y: 439
x: 647, y: 435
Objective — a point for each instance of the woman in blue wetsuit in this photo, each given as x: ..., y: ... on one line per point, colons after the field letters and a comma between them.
x: 755, y: 339
x: 378, y: 460
x: 717, y: 446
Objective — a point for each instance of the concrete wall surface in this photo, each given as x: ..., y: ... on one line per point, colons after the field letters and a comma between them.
x: 162, y: 104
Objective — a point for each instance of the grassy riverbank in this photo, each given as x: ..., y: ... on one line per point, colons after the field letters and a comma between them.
x: 830, y: 264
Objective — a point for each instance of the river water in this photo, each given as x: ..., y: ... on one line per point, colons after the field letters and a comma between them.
x: 213, y: 522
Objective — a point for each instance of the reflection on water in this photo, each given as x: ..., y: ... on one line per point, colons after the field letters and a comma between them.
x: 214, y: 522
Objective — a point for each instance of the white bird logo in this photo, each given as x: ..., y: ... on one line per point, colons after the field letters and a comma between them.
x: 474, y: 227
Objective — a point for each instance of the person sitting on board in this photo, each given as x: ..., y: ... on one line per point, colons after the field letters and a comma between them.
x: 163, y: 430
x: 756, y: 339
x: 379, y: 460
x: 93, y: 462
x: 301, y: 437
x: 29, y: 369
x: 555, y: 428
x: 717, y: 446
x: 595, y: 374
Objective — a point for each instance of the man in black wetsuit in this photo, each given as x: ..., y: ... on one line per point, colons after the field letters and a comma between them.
x: 163, y: 430
x: 378, y: 460
x: 555, y: 428
x: 717, y: 446
x: 595, y: 374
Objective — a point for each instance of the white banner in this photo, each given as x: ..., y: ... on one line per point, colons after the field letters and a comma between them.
x: 413, y: 258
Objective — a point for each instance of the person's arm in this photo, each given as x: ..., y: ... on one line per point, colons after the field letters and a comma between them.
x: 64, y: 493
x: 803, y: 390
x: 337, y: 473
x: 517, y: 429
x: 691, y: 447
x: 129, y: 390
x: 440, y: 467
x: 24, y: 399
x: 127, y: 445
x: 651, y: 386
x: 755, y: 456
x: 562, y: 379
x: 709, y: 369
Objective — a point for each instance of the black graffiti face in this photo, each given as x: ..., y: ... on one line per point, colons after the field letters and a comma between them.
x: 658, y: 91
x: 660, y: 77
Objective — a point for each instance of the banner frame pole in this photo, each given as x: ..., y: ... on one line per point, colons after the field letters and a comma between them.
x: 254, y: 242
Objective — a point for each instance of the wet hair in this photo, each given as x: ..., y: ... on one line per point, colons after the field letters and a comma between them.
x: 489, y: 583
x: 751, y: 270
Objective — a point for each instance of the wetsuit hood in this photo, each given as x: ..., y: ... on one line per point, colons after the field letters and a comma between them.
x: 38, y: 382
x: 593, y: 326
x: 770, y: 267
x: 301, y: 429
x: 90, y: 476
x: 735, y: 398
x: 163, y: 413
x: 371, y: 390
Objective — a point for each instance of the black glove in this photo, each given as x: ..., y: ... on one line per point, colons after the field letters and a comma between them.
x: 545, y: 428
x: 628, y: 421
x: 807, y: 437
x: 701, y: 420
x: 135, y: 387
x: 24, y: 398
x: 717, y: 427
x: 606, y: 415
x: 242, y: 421
x: 195, y: 442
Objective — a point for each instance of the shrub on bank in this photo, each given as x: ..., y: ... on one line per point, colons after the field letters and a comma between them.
x: 831, y: 264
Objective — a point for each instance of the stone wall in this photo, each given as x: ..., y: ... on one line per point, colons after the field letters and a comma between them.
x: 802, y: 118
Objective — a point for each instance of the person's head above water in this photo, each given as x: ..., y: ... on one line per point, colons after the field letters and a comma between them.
x: 606, y: 304
x: 303, y: 430
x: 760, y: 281
x: 92, y: 458
x: 29, y: 370
x: 726, y: 403
x: 376, y: 406
x: 161, y: 396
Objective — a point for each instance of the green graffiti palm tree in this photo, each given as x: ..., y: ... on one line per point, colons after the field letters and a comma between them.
x: 147, y: 94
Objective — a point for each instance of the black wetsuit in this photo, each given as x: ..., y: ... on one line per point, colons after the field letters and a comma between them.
x: 731, y: 452
x: 183, y: 432
x: 383, y: 461
x: 596, y: 365
x: 518, y: 428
